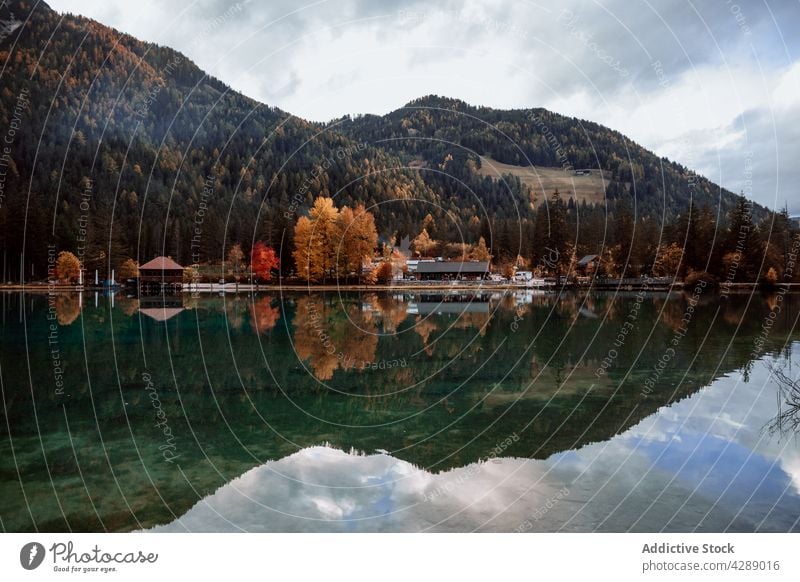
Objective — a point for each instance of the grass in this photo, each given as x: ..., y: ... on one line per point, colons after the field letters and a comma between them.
x: 543, y: 181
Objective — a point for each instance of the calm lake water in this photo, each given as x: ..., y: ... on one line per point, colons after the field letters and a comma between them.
x: 400, y: 412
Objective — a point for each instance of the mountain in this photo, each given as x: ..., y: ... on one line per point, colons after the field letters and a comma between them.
x: 121, y: 148
x: 431, y: 128
x: 117, y: 132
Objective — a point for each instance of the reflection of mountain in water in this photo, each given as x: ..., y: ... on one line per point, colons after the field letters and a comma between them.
x: 244, y: 381
x: 324, y: 489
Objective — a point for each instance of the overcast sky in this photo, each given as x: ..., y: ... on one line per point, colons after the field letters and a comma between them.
x: 712, y: 84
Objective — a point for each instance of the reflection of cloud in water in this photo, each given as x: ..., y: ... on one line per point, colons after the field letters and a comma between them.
x: 351, y: 492
x: 700, y: 460
x: 710, y: 452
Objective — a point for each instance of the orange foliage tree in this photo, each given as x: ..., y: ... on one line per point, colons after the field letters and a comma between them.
x: 331, y: 242
x: 68, y: 267
x: 357, y: 238
x: 383, y: 273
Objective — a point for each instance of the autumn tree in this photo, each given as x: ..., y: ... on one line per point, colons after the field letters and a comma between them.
x: 668, y: 260
x: 357, y: 238
x: 315, y: 240
x: 777, y: 246
x: 423, y: 244
x: 428, y: 223
x: 480, y: 252
x: 263, y: 260
x: 129, y: 269
x: 508, y: 270
x: 191, y: 275
x: 68, y: 267
x: 383, y: 273
x: 302, y: 251
x: 458, y: 251
x: 236, y: 257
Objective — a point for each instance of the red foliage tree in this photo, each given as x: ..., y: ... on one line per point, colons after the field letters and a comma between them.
x: 263, y: 315
x: 263, y: 260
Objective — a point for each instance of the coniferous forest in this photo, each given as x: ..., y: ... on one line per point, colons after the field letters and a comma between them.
x: 116, y: 149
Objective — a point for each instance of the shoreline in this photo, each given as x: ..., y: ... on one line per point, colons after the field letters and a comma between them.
x: 416, y: 287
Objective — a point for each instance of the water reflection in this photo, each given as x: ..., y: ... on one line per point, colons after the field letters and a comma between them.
x: 702, y: 465
x: 160, y: 309
x: 263, y: 316
x: 252, y: 386
x: 787, y: 420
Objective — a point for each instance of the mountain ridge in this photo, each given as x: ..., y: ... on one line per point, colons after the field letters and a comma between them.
x: 135, y: 130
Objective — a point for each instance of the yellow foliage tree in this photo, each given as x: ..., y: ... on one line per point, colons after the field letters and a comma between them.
x: 129, y: 269
x: 323, y: 216
x: 302, y: 247
x: 68, y: 267
x: 236, y: 258
x: 668, y: 260
x: 424, y: 244
x: 480, y: 252
x: 315, y: 241
x: 357, y: 239
x: 330, y: 241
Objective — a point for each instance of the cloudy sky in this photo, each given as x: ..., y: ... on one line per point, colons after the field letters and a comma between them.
x: 712, y: 84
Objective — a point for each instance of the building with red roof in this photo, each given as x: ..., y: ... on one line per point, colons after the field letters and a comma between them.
x: 161, y: 271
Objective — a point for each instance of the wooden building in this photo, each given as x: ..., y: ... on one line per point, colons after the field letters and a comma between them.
x: 588, y: 265
x: 160, y: 274
x: 452, y: 270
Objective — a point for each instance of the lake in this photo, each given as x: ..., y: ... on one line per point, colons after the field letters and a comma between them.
x: 392, y: 411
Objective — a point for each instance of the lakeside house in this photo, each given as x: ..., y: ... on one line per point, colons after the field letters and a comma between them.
x: 452, y: 270
x: 588, y: 265
x: 160, y: 274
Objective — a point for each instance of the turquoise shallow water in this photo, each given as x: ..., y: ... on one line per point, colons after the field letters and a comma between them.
x: 399, y: 412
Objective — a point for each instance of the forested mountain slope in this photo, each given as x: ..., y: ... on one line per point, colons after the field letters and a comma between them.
x: 121, y: 148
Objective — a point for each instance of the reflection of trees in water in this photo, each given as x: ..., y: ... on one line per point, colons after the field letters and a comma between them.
x: 787, y: 421
x: 424, y: 327
x: 473, y: 320
x: 68, y: 308
x: 771, y: 300
x: 568, y: 306
x: 734, y: 312
x: 263, y: 316
x: 393, y: 312
x: 309, y: 343
x: 129, y: 306
x: 234, y: 312
x: 508, y: 302
x: 329, y: 338
x: 673, y: 313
